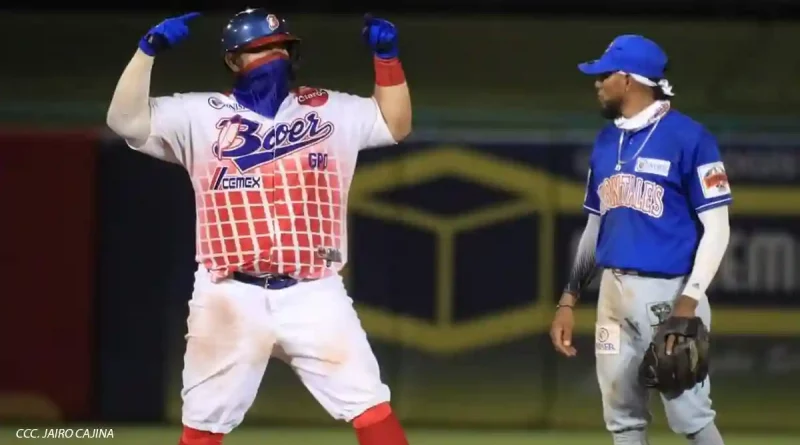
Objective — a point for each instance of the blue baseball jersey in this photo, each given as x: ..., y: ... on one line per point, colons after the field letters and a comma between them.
x: 649, y: 201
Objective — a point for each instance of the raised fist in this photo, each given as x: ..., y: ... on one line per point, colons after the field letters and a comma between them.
x: 166, y: 34
x: 381, y: 36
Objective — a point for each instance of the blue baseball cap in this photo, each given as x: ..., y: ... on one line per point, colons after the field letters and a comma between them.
x: 632, y: 54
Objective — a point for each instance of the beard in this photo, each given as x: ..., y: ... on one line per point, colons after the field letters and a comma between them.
x: 611, y: 109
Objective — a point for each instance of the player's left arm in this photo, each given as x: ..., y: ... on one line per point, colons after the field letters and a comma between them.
x: 391, y: 88
x: 710, y: 195
x: 394, y: 102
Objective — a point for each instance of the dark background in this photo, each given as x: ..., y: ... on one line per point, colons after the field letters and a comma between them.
x: 98, y: 241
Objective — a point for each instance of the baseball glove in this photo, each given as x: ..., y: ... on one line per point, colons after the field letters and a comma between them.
x: 686, y: 366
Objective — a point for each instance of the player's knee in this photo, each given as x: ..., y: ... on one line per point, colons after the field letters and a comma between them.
x: 191, y: 436
x: 373, y: 415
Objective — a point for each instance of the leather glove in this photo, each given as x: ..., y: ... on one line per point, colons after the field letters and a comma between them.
x: 683, y: 363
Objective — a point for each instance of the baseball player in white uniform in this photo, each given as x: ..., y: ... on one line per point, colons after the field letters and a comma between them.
x: 271, y: 168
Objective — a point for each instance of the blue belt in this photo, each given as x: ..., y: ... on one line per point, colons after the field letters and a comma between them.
x: 271, y: 282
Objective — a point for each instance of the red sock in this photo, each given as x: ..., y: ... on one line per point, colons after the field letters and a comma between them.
x: 192, y: 436
x: 379, y: 426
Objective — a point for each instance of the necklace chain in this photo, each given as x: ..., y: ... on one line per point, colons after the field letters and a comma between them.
x: 620, y: 162
x: 654, y: 120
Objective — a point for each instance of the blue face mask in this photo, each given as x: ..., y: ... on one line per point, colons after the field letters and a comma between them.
x: 264, y: 88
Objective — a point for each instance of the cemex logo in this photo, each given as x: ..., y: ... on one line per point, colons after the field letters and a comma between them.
x: 224, y: 181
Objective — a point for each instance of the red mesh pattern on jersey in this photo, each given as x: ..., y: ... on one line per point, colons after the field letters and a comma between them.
x: 276, y: 228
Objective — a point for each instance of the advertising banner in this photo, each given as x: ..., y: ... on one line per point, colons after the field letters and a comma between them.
x: 459, y: 251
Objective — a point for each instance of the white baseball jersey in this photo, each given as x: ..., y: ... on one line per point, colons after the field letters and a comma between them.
x: 271, y: 195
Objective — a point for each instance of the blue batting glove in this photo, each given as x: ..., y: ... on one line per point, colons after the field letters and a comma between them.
x: 166, y: 34
x: 381, y: 36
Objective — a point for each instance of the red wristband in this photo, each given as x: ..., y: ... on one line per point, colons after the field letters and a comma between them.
x: 388, y: 72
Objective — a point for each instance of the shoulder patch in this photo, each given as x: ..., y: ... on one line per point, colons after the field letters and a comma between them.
x: 312, y: 97
x: 713, y: 180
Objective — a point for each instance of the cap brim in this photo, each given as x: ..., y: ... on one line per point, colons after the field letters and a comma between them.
x: 595, y: 67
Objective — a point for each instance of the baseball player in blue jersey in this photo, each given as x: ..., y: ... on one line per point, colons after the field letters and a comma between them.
x: 657, y: 199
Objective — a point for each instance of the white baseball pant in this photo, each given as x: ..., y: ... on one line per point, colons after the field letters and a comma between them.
x: 234, y: 329
x: 631, y: 308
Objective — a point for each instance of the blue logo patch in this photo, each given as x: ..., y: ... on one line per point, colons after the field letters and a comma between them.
x: 240, y: 142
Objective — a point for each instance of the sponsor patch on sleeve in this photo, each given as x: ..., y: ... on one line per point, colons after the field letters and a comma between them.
x: 713, y: 180
x: 312, y: 97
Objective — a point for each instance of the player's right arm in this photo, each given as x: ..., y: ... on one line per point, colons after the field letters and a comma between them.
x: 583, y: 271
x: 149, y: 125
x: 584, y: 265
x: 129, y: 112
